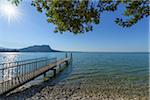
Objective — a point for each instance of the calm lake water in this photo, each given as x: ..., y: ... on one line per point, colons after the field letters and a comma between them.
x: 123, y: 73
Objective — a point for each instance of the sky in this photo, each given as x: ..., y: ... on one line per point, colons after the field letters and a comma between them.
x: 31, y: 28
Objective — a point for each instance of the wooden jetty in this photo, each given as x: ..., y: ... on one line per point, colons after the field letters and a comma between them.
x: 16, y: 74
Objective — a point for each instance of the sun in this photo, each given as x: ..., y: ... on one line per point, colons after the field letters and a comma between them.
x: 9, y: 10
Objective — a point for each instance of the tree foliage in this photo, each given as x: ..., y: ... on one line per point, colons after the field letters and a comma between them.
x: 79, y: 16
x: 16, y: 2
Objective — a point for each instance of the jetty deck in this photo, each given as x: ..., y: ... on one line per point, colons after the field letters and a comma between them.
x: 16, y: 74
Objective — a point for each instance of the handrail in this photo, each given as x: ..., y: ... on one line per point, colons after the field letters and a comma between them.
x: 26, y: 63
x: 24, y: 60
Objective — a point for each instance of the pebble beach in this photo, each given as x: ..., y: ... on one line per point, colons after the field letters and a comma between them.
x: 78, y: 91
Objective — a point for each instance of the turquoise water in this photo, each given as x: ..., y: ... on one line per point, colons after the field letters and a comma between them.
x: 125, y: 74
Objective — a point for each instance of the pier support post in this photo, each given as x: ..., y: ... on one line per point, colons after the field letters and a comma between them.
x: 71, y: 56
x: 54, y: 70
x: 67, y: 63
x: 59, y: 67
x: 45, y: 74
x: 45, y: 78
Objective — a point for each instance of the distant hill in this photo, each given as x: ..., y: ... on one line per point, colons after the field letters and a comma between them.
x: 35, y: 48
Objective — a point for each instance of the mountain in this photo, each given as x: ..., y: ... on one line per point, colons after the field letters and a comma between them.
x: 35, y: 48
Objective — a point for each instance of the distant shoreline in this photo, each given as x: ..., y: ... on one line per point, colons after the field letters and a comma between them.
x: 29, y: 51
x: 75, y: 52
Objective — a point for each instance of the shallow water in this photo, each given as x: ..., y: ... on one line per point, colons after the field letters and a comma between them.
x: 120, y: 74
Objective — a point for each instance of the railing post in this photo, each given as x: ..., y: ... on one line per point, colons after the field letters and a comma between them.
x: 71, y: 55
x: 3, y: 86
x: 66, y: 55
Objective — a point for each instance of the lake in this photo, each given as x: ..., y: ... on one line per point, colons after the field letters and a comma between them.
x: 124, y: 75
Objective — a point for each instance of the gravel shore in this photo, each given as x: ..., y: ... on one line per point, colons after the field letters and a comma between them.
x: 76, y: 91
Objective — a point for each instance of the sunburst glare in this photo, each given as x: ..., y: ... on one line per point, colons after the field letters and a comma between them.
x: 9, y: 11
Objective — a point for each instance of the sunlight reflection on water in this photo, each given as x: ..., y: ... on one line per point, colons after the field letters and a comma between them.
x: 11, y: 58
x: 8, y: 57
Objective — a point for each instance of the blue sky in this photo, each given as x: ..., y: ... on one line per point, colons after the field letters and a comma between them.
x: 31, y: 28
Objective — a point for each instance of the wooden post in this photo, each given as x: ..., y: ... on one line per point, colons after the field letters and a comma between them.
x: 54, y: 72
x: 44, y: 74
x: 67, y: 63
x: 45, y: 78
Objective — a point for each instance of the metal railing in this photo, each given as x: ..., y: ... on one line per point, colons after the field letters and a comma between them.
x: 15, y: 73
